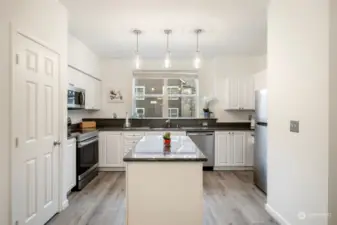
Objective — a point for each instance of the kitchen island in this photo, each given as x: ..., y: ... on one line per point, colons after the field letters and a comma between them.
x: 164, y: 186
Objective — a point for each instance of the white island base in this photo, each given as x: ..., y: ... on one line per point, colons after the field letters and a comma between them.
x: 164, y: 193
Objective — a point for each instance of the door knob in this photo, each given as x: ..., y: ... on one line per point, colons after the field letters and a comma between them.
x: 57, y: 143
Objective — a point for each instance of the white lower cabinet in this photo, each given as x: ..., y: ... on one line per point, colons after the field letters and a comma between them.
x: 70, y: 165
x: 231, y: 149
x: 111, y: 149
x: 239, y: 148
x: 223, y: 149
x: 250, y: 149
x: 114, y: 145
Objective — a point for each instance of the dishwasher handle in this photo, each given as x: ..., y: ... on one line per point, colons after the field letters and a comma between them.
x: 200, y: 134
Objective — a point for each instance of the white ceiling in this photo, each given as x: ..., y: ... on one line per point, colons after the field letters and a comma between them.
x: 231, y: 26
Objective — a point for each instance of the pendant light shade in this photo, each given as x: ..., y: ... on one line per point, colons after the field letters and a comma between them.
x: 167, y: 61
x: 137, y: 56
x: 197, y: 58
x: 137, y: 61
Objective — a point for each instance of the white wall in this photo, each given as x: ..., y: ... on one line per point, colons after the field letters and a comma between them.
x: 117, y: 73
x: 332, y: 116
x: 260, y: 80
x: 4, y: 113
x: 298, y: 86
x: 45, y: 20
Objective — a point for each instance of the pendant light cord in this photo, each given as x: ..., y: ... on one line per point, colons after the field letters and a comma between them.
x: 167, y: 42
x: 137, y: 42
x: 197, y: 41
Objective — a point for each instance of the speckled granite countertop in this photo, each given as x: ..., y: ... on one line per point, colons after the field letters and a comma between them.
x: 151, y: 149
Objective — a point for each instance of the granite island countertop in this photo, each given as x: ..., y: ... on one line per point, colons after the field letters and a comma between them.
x: 151, y: 149
x: 228, y: 128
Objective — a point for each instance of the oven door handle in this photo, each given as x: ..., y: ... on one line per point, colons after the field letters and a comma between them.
x: 83, y: 99
x: 85, y: 143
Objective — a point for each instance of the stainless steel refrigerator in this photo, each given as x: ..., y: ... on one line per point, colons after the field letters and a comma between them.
x: 260, y: 146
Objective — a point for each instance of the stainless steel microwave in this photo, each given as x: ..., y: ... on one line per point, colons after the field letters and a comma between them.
x: 76, y: 98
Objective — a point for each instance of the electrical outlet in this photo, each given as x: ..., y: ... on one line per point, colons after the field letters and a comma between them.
x: 294, y: 126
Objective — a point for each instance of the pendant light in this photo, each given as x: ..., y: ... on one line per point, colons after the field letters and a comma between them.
x: 197, y: 59
x: 167, y: 61
x: 137, y: 56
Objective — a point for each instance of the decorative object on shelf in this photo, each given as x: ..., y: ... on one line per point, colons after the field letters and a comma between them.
x: 167, y: 139
x: 207, y: 102
x: 115, y: 96
x: 137, y: 56
x: 167, y: 61
x: 197, y: 59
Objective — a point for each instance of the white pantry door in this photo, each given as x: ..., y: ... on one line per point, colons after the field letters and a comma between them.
x: 35, y: 128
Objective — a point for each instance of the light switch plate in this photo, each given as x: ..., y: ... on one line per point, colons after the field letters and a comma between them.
x: 294, y: 126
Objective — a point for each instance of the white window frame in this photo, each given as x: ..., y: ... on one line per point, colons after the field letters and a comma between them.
x: 140, y: 96
x: 169, y: 92
x: 170, y: 112
x: 165, y: 76
x: 143, y: 109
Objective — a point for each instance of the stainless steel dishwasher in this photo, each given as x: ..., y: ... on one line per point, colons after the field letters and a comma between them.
x: 205, y: 142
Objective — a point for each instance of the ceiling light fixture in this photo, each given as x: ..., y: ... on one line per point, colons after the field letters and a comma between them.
x: 197, y: 59
x: 137, y: 56
x: 167, y: 61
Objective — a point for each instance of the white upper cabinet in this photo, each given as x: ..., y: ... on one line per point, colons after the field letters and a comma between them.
x: 97, y: 94
x: 82, y: 58
x: 89, y: 93
x: 83, y: 72
x: 93, y: 93
x: 239, y: 93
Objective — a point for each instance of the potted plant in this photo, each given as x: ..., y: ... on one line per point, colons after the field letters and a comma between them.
x: 207, y: 102
x: 167, y: 139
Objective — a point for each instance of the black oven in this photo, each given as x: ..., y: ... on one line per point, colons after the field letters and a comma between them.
x: 76, y: 98
x: 87, y: 159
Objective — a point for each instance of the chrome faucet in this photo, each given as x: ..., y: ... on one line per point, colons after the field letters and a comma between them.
x: 168, y: 123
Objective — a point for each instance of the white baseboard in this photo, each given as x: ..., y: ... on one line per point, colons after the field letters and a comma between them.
x: 111, y: 169
x: 276, y: 215
x: 233, y: 168
x: 65, y: 204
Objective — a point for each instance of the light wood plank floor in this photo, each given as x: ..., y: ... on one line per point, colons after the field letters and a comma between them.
x: 230, y: 198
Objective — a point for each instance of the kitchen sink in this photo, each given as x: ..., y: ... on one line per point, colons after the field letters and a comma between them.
x: 195, y: 128
x: 164, y: 128
x: 137, y: 128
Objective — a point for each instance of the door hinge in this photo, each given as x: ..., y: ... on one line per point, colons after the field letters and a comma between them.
x: 16, y: 142
x: 17, y: 59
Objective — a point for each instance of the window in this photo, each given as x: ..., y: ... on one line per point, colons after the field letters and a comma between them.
x: 165, y: 94
x: 173, y: 112
x: 140, y: 92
